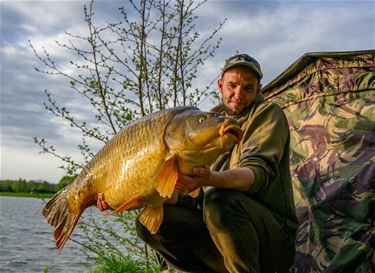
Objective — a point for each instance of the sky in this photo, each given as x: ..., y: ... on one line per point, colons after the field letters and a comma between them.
x: 276, y: 33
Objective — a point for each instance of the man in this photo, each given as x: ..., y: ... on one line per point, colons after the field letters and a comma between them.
x: 245, y: 220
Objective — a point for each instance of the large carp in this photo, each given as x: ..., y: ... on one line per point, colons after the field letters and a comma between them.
x: 138, y: 167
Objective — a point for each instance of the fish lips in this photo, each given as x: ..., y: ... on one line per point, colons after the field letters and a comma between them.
x: 231, y: 127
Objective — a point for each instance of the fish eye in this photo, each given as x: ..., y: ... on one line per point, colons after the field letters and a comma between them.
x: 202, y: 118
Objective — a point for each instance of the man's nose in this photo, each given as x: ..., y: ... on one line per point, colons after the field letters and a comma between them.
x: 238, y: 93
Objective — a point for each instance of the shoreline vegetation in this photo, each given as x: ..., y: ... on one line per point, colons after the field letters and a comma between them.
x: 27, y: 194
x: 33, y: 188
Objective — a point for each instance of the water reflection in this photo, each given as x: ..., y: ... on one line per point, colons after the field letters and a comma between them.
x: 26, y: 241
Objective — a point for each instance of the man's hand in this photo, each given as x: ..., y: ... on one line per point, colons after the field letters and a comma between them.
x: 188, y: 183
x: 101, y: 204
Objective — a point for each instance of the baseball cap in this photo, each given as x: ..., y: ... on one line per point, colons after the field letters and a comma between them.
x: 242, y: 60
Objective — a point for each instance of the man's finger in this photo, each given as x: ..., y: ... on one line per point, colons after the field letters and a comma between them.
x: 101, y: 204
x: 201, y: 171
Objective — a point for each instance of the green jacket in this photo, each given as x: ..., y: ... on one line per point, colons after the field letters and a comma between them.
x: 265, y: 150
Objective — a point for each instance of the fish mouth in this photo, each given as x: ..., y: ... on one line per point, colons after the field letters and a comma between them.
x: 229, y: 127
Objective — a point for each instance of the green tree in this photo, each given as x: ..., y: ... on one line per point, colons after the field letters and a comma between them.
x: 6, y: 186
x: 33, y: 187
x: 65, y: 181
x: 145, y: 61
x: 19, y: 185
x: 24, y: 186
x: 46, y: 187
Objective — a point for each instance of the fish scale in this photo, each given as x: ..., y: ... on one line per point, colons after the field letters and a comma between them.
x: 138, y: 166
x: 141, y: 146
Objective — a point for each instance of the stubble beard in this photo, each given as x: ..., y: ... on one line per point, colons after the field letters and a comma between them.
x: 231, y: 112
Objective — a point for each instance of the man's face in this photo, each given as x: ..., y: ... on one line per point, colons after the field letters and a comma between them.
x: 239, y: 87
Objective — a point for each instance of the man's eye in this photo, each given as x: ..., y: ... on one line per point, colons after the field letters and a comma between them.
x: 249, y: 89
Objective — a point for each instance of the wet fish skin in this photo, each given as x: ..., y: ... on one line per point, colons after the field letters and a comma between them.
x: 138, y: 166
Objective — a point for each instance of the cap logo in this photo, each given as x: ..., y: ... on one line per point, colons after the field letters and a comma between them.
x: 243, y: 60
x: 241, y: 57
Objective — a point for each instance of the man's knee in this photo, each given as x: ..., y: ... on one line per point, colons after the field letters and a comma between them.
x: 221, y: 207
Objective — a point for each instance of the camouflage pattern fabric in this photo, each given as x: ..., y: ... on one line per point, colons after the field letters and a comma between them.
x: 329, y: 100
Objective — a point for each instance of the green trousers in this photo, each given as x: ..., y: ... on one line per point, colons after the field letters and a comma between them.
x: 231, y: 233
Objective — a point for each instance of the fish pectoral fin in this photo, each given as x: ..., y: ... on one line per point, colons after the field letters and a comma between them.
x: 167, y: 178
x: 152, y: 217
x: 195, y: 193
x: 131, y: 204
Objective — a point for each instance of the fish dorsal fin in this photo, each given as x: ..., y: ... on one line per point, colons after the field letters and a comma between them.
x: 195, y: 193
x: 167, y: 177
x: 152, y: 217
x: 131, y: 204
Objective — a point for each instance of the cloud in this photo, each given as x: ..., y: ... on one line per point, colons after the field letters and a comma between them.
x: 277, y: 33
x: 274, y: 32
x: 24, y: 19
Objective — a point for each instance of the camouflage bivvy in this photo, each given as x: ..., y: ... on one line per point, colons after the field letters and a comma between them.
x: 329, y: 100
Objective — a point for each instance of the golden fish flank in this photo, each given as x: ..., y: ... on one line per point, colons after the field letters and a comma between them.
x: 138, y: 166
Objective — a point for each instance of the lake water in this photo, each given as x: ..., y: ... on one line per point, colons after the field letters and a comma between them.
x: 27, y: 244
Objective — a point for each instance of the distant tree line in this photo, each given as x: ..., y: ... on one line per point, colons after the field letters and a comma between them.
x: 24, y: 186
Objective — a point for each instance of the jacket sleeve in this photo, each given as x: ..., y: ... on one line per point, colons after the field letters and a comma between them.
x: 265, y: 140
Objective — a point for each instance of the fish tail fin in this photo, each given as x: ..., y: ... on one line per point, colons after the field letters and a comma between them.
x: 152, y: 217
x: 58, y: 214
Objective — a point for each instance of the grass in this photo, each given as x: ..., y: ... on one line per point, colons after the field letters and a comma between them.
x: 26, y: 194
x: 115, y: 264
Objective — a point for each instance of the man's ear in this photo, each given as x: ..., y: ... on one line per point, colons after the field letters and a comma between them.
x: 220, y: 85
x: 259, y: 88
